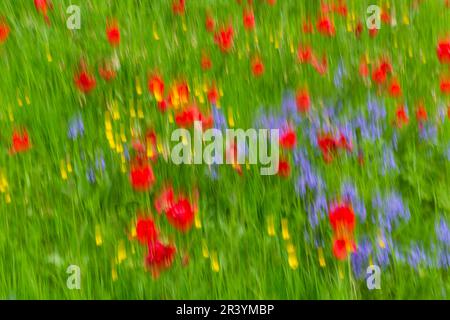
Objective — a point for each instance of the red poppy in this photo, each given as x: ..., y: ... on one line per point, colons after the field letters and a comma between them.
x: 271, y: 2
x: 224, y: 38
x: 445, y: 85
x: 395, y: 90
x: 401, y: 116
x: 288, y: 139
x: 341, y: 8
x: 342, y: 219
x: 385, y: 17
x: 4, y: 31
x: 358, y: 29
x: 307, y: 27
x: 141, y: 175
x: 328, y: 145
x: 443, y: 51
x: 107, y: 72
x: 303, y: 100
x: 160, y: 257
x: 363, y: 68
x: 113, y: 33
x: 325, y: 26
x: 42, y: 6
x: 284, y: 168
x: 84, y: 81
x: 257, y: 67
x: 249, y: 19
x: 188, y: 116
x: 320, y: 66
x: 213, y: 94
x: 156, y: 87
x: 379, y: 76
x: 373, y: 32
x: 304, y: 53
x: 421, y: 113
x: 20, y: 141
x: 164, y: 200
x: 180, y: 214
x: 178, y: 7
x: 342, y: 247
x: 209, y: 23
x: 206, y: 62
x: 146, y: 230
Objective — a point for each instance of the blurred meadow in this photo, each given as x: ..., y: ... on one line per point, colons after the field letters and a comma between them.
x: 86, y: 179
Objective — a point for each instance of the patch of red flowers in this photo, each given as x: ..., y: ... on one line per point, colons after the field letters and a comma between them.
x: 107, y: 72
x: 284, y: 168
x: 20, y: 141
x: 401, y: 116
x: 205, y: 62
x: 189, y: 115
x: 444, y: 85
x: 395, y: 90
x: 210, y: 23
x: 43, y: 6
x: 329, y: 145
x: 156, y: 86
x: 146, y: 230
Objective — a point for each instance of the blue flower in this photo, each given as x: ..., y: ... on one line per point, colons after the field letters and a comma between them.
x: 443, y: 232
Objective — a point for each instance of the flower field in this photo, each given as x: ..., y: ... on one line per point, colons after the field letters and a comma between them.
x: 92, y: 90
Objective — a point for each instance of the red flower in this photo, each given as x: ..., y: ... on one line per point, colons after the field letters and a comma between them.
x: 445, y: 85
x: 328, y: 145
x: 443, y: 51
x: 303, y: 101
x: 284, y: 168
x: 358, y: 29
x: 20, y: 141
x: 213, y: 94
x: 224, y: 38
x: 206, y: 62
x: 42, y: 6
x: 341, y: 248
x: 341, y: 8
x: 187, y: 117
x: 342, y: 219
x: 146, y: 230
x: 141, y: 175
x: 421, y: 113
x: 209, y: 23
x: 164, y: 200
x: 394, y: 88
x: 304, y: 53
x: 373, y: 32
x: 271, y: 2
x: 325, y: 26
x: 401, y: 116
x: 385, y: 17
x: 156, y: 87
x: 179, y: 7
x: 4, y: 31
x: 249, y: 19
x: 84, y: 81
x: 307, y: 27
x: 288, y: 139
x: 113, y: 33
x: 379, y: 75
x: 181, y: 214
x: 257, y: 67
x: 160, y: 257
x: 363, y: 68
x: 107, y: 72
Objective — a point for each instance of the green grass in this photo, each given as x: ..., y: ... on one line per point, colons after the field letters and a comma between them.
x: 49, y: 215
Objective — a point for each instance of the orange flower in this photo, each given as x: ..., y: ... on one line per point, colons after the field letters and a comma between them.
x: 156, y: 87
